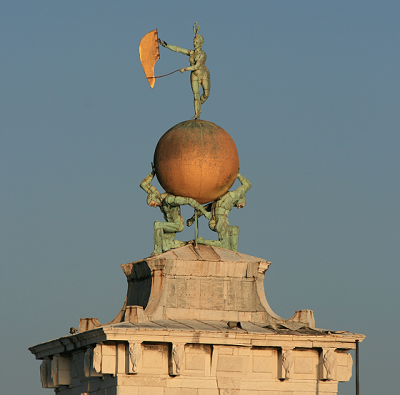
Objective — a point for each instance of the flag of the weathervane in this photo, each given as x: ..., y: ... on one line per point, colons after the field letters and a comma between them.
x: 149, y: 54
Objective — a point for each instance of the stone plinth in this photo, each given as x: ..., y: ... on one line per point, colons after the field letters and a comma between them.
x: 196, y: 321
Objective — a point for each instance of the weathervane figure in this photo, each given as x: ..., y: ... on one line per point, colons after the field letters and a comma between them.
x: 199, y: 76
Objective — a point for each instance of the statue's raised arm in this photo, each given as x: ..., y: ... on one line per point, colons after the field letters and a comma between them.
x: 175, y: 48
x: 243, y: 189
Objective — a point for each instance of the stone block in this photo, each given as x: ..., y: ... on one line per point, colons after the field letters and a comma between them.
x: 262, y: 364
x: 121, y: 357
x: 228, y: 383
x: 304, y: 365
x: 128, y: 390
x: 207, y: 391
x: 183, y: 293
x: 344, y: 366
x: 64, y: 371
x: 154, y: 358
x: 151, y: 391
x: 195, y: 362
x: 143, y: 380
x: 225, y: 350
x: 231, y: 363
x: 212, y: 294
x: 230, y: 391
x: 108, y: 365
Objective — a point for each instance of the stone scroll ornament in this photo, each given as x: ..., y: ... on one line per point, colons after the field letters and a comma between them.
x: 97, y: 355
x: 86, y: 362
x: 287, y: 363
x: 178, y: 353
x: 54, y: 370
x: 43, y: 373
x: 329, y: 364
x: 135, y: 353
x: 200, y: 75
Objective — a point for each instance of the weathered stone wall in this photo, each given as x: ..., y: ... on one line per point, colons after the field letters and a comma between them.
x: 107, y: 369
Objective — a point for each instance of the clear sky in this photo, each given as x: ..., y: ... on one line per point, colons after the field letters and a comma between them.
x: 308, y: 90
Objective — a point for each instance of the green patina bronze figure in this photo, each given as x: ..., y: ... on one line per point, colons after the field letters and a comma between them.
x: 164, y: 232
x: 228, y: 235
x: 200, y: 76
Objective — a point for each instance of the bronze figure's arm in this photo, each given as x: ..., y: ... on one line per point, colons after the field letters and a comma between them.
x: 207, y: 208
x: 146, y: 183
x: 181, y: 201
x: 246, y: 185
x: 175, y: 48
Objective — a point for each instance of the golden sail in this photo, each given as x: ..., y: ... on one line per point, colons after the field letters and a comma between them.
x: 149, y: 54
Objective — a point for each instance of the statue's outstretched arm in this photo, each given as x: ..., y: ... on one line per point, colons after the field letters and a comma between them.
x: 181, y: 201
x: 175, y: 48
x: 191, y: 220
x: 146, y: 186
x: 246, y: 185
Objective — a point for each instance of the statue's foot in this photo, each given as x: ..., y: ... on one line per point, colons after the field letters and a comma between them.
x: 197, y: 115
x: 178, y: 244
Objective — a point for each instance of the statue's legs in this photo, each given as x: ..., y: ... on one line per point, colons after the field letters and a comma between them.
x: 234, y: 237
x: 196, y: 93
x: 164, y: 235
x: 205, y: 82
x: 223, y: 228
x: 158, y: 240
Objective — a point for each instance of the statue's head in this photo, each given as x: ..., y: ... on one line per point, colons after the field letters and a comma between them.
x: 198, y: 39
x: 154, y: 199
x: 241, y: 202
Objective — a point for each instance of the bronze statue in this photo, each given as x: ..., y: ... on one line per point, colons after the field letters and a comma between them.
x: 228, y: 235
x: 164, y: 232
x: 200, y: 76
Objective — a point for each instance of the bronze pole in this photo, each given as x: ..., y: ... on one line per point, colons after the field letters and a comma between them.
x: 357, y: 371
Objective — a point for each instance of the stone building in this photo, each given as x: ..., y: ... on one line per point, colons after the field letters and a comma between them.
x: 196, y: 321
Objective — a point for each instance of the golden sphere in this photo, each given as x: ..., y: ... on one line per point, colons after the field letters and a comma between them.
x: 196, y: 159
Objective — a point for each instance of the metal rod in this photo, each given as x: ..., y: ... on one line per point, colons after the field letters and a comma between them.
x: 196, y: 227
x: 160, y: 76
x: 357, y: 371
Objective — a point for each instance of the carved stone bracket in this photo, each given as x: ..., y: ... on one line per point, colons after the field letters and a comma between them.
x: 97, y: 358
x: 135, y: 355
x: 176, y: 359
x: 285, y: 364
x: 92, y: 361
x: 328, y: 364
x: 55, y: 371
x: 45, y: 374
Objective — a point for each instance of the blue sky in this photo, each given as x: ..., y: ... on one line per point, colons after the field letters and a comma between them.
x: 308, y: 90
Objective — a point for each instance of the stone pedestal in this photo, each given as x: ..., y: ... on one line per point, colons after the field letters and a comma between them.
x: 196, y: 321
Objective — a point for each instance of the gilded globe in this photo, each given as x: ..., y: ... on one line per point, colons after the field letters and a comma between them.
x: 196, y: 159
